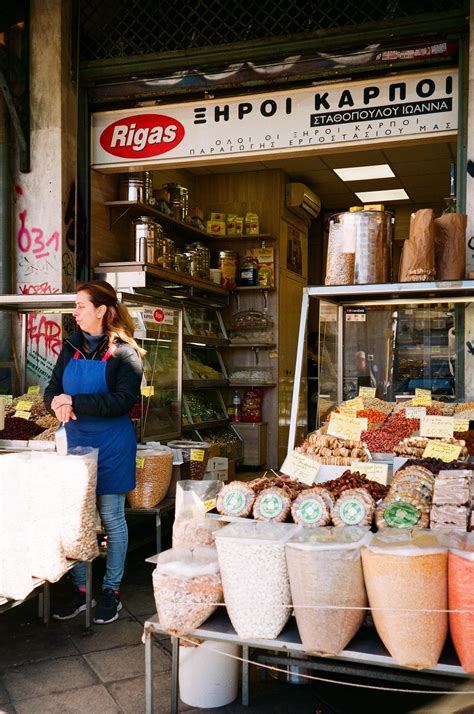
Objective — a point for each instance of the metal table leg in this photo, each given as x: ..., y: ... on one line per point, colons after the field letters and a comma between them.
x: 148, y: 675
x: 88, y: 593
x: 158, y: 530
x: 245, y: 676
x: 174, y: 674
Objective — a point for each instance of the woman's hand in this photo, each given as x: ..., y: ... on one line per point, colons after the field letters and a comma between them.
x: 64, y: 413
x: 61, y: 400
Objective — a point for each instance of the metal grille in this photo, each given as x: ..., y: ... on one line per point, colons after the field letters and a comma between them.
x: 125, y: 28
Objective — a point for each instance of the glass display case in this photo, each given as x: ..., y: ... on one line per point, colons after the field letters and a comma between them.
x: 204, y: 322
x: 230, y: 443
x: 158, y: 331
x: 203, y: 366
x: 203, y: 407
x: 394, y: 338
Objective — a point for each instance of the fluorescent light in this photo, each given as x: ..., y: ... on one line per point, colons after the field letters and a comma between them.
x: 365, y: 173
x: 392, y: 194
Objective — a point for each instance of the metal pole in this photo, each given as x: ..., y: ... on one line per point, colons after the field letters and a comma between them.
x: 88, y: 593
x: 148, y: 674
x: 174, y: 674
x: 298, y: 371
x: 461, y: 149
x: 245, y: 676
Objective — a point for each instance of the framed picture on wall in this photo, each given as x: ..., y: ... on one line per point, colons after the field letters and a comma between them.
x: 294, y: 250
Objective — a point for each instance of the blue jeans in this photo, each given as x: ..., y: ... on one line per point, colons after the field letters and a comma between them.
x: 112, y: 513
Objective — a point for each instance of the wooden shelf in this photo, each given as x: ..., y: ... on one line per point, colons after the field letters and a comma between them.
x: 255, y: 346
x: 205, y: 425
x: 249, y: 384
x: 204, y: 383
x: 137, y: 209
x: 250, y: 288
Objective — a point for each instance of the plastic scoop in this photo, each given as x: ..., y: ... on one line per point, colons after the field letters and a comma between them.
x: 60, y: 437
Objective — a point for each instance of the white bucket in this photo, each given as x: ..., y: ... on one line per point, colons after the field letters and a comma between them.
x: 208, y: 678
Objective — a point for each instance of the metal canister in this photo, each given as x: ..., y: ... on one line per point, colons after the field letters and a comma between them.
x: 178, y: 200
x: 228, y: 262
x: 181, y: 263
x: 168, y: 254
x: 148, y: 185
x: 203, y: 258
x: 132, y: 188
x: 193, y: 263
x: 146, y: 231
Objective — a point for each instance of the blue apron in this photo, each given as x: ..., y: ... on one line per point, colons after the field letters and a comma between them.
x: 113, y: 436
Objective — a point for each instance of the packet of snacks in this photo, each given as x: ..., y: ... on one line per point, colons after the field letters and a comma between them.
x: 252, y: 405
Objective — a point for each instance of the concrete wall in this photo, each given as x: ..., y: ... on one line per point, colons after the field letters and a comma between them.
x: 44, y: 199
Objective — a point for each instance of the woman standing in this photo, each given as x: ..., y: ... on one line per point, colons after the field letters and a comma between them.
x: 95, y: 383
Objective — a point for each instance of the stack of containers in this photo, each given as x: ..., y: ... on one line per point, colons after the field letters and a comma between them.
x: 255, y: 577
x: 461, y: 597
x: 405, y: 575
x: 327, y: 586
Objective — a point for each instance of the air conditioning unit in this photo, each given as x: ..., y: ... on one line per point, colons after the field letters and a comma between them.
x: 302, y: 201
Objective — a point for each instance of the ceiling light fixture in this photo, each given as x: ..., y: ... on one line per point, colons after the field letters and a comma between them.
x: 365, y: 173
x: 392, y: 194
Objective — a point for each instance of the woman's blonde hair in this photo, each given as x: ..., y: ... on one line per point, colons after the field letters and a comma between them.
x: 117, y: 321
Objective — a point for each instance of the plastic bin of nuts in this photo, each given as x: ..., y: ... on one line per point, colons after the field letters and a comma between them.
x: 196, y: 452
x: 154, y: 468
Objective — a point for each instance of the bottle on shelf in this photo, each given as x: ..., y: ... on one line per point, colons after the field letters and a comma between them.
x: 235, y: 408
x: 249, y: 272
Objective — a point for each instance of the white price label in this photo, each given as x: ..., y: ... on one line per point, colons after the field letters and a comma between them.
x: 346, y: 427
x: 415, y: 412
x: 437, y: 426
x: 301, y: 467
x: 373, y: 471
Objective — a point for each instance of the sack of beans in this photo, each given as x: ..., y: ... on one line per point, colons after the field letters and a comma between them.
x: 187, y: 588
x: 255, y: 577
x: 406, y: 580
x: 327, y: 586
x: 154, y: 468
x: 461, y: 596
x: 196, y: 452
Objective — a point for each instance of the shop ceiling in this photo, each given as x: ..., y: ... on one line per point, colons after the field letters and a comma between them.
x: 422, y: 170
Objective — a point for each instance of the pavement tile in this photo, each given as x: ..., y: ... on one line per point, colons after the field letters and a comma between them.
x: 44, y: 678
x: 138, y: 600
x: 120, y: 633
x: 34, y: 643
x: 4, y: 697
x: 130, y: 694
x: 125, y: 662
x: 87, y: 699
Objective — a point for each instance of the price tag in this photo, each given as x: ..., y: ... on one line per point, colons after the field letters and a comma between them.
x: 24, y: 406
x: 368, y: 392
x: 422, y: 398
x: 461, y: 424
x: 147, y: 391
x: 34, y: 389
x: 356, y: 403
x: 373, y: 471
x: 415, y: 412
x: 209, y: 504
x: 301, y: 467
x: 22, y: 414
x: 349, y: 411
x: 346, y: 427
x: 437, y: 426
x: 140, y: 462
x: 196, y: 454
x: 7, y: 398
x: 440, y: 450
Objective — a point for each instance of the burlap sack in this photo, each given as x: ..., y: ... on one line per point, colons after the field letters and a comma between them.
x: 450, y: 246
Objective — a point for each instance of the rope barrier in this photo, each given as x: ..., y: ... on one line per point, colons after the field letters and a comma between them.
x: 332, y: 681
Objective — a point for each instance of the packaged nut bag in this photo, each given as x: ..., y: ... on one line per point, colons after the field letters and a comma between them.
x: 450, y: 241
x: 193, y: 500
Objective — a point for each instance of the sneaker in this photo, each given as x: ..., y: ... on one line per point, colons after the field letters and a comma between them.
x: 109, y: 607
x: 73, y: 607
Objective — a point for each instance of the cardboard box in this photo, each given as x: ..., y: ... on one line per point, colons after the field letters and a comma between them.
x: 235, y: 225
x: 217, y: 216
x: 265, y: 258
x: 217, y: 228
x: 217, y: 469
x: 252, y: 227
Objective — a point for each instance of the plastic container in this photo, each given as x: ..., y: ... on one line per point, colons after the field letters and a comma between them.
x: 208, y: 674
x: 461, y: 597
x: 196, y: 452
x: 154, y: 468
x: 228, y: 261
x: 255, y: 577
x: 325, y: 570
x: 406, y: 579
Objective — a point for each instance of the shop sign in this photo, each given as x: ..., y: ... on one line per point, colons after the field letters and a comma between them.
x: 355, y: 314
x: 161, y: 315
x: 274, y: 123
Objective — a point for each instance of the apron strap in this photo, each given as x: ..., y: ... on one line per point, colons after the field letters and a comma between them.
x: 77, y: 354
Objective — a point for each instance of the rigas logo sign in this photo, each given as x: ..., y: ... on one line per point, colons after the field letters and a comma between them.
x: 142, y: 136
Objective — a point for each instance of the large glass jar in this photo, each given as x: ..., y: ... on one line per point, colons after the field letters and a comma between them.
x: 249, y: 272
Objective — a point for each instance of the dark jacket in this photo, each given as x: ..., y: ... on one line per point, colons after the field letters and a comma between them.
x: 123, y: 374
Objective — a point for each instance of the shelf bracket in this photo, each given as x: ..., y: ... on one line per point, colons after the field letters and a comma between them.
x: 256, y: 350
x: 112, y: 223
x: 265, y: 301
